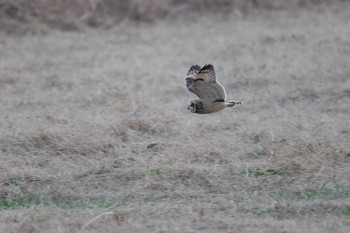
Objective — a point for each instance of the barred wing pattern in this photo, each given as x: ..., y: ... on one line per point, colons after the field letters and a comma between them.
x: 202, y: 82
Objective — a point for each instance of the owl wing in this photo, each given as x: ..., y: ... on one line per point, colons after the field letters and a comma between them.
x: 202, y: 82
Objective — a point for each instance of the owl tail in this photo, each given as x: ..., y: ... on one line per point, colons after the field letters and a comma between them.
x: 232, y: 103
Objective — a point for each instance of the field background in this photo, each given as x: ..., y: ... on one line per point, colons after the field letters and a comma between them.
x: 95, y: 135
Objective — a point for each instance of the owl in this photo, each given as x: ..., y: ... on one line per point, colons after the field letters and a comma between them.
x: 202, y: 82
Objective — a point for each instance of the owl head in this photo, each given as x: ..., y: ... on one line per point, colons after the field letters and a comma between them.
x: 192, y: 106
x: 195, y: 106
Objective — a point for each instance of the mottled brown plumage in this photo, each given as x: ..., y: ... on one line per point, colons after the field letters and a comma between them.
x: 212, y: 96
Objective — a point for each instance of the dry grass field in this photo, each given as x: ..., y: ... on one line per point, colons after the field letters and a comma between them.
x: 95, y: 135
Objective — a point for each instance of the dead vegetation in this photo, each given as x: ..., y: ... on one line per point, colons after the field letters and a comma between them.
x: 22, y: 16
x: 95, y: 136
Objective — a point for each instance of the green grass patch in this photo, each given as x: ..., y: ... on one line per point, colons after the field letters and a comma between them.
x: 56, y: 201
x: 152, y: 145
x: 259, y: 171
x: 315, y: 193
x: 346, y: 210
x: 103, y: 170
x: 14, y: 203
x: 155, y: 171
x: 156, y: 147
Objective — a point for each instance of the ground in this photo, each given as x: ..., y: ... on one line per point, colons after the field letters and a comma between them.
x: 95, y: 135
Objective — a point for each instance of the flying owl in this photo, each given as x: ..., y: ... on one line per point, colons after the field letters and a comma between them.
x: 202, y: 82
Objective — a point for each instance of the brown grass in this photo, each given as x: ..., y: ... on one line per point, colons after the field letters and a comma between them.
x: 36, y: 16
x: 95, y: 135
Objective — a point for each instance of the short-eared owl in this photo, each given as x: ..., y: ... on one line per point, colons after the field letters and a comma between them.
x: 202, y: 82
